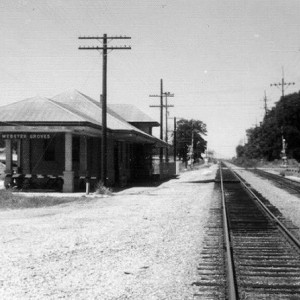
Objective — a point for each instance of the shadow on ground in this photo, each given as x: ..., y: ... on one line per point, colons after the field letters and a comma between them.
x: 200, y: 181
x: 144, y: 183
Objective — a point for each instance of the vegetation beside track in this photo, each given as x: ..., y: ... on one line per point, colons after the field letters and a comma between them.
x: 10, y: 200
x: 260, y: 163
x: 266, y: 139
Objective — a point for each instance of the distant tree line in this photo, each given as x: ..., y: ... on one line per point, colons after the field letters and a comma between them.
x: 265, y: 140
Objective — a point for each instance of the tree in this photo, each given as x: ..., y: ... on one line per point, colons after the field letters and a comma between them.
x: 240, y: 151
x: 282, y: 121
x: 186, y: 131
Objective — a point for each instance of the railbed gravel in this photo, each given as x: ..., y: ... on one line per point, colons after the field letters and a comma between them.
x: 141, y: 243
x: 286, y: 203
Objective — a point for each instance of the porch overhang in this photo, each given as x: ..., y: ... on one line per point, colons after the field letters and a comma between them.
x: 82, y: 129
x: 78, y: 130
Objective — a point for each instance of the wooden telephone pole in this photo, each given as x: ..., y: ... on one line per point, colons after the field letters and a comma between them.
x: 161, y: 117
x: 104, y: 49
x: 265, y: 104
x: 167, y: 94
x: 161, y: 106
x: 175, y: 138
x: 283, y: 84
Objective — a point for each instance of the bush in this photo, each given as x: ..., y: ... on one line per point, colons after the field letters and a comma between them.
x: 246, y: 162
x: 101, y: 189
x: 282, y: 173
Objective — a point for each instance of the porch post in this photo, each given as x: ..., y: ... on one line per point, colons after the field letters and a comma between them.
x: 83, y: 155
x: 68, y: 186
x: 19, y: 153
x: 8, y: 157
x: 26, y: 156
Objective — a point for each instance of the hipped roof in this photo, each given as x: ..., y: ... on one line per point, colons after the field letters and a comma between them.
x: 132, y: 114
x: 69, y: 107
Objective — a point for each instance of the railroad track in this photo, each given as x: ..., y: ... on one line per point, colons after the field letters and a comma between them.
x: 248, y: 253
x: 289, y: 185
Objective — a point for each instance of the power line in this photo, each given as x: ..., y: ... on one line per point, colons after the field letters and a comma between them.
x: 120, y: 37
x: 104, y: 49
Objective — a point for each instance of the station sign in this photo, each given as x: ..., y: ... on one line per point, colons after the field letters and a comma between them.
x: 21, y: 136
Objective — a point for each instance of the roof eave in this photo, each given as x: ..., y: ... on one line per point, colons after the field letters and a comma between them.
x: 137, y: 136
x: 152, y: 124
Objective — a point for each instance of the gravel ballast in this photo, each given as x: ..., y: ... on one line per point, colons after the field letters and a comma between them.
x: 141, y: 243
x: 288, y: 204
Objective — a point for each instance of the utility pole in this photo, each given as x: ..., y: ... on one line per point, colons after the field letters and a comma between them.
x: 282, y: 84
x: 104, y: 49
x: 265, y: 104
x: 161, y: 117
x: 175, y: 139
x: 167, y: 94
x: 161, y: 106
x: 192, y: 143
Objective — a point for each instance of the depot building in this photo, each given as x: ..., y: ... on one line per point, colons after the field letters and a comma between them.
x: 58, y: 142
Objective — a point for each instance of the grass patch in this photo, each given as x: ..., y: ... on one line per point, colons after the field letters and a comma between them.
x: 10, y: 200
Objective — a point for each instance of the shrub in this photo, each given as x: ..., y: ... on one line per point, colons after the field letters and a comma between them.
x: 246, y: 162
x: 282, y: 173
x: 101, y: 189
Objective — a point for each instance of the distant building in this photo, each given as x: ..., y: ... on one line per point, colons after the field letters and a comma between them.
x: 59, y: 141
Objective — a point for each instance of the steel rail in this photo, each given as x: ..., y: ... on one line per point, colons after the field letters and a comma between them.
x: 232, y: 288
x: 283, y: 181
x: 264, y: 207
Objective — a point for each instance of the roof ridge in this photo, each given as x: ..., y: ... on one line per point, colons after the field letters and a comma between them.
x: 82, y: 114
x: 30, y: 98
x: 109, y: 109
x: 90, y: 99
x: 64, y: 108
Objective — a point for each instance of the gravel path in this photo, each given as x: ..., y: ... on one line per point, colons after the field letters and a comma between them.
x: 141, y: 243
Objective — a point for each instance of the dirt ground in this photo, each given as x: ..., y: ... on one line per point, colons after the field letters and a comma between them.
x: 141, y: 243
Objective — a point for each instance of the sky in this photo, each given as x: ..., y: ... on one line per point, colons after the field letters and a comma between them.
x: 216, y: 57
